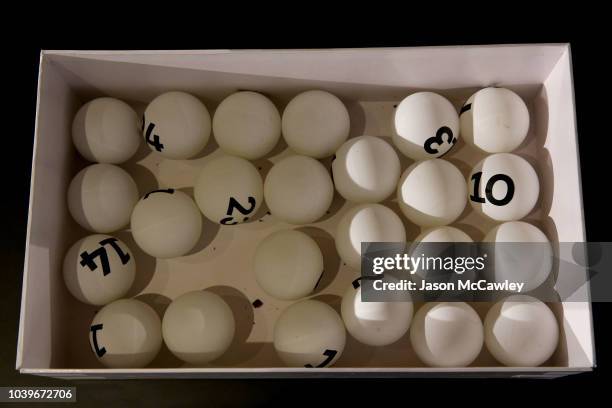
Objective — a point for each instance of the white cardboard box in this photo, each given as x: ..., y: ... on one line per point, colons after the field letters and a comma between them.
x: 54, y: 327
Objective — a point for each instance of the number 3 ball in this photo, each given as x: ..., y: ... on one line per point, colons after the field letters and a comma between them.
x: 176, y: 125
x: 495, y: 120
x: 106, y: 130
x: 504, y: 187
x: 425, y: 126
x: 166, y: 223
x: 198, y: 327
x: 99, y: 269
x: 229, y: 190
x: 126, y: 334
x: 309, y: 334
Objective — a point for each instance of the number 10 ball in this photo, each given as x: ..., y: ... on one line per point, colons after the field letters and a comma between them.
x: 229, y: 190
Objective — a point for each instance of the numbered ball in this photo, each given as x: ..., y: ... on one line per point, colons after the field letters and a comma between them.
x: 298, y: 190
x: 521, y: 331
x: 432, y: 193
x: 101, y: 198
x: 522, y: 253
x: 366, y: 223
x: 425, y: 126
x: 309, y: 334
x: 247, y: 124
x: 315, y: 124
x: 99, y: 269
x: 495, y: 120
x: 198, y: 327
x: 448, y: 334
x: 166, y: 223
x: 366, y: 170
x: 375, y: 323
x: 106, y: 130
x: 288, y: 264
x: 504, y: 187
x: 229, y: 190
x: 176, y: 125
x: 126, y: 334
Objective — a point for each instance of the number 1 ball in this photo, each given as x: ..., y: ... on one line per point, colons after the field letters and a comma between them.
x: 309, y: 334
x: 425, y: 126
x: 166, y: 223
x: 126, y: 334
x: 198, y: 327
x: 99, y: 269
x: 495, y: 120
x: 229, y: 190
x: 432, y: 193
x: 101, y: 198
x: 504, y: 187
x: 176, y: 125
x: 106, y: 130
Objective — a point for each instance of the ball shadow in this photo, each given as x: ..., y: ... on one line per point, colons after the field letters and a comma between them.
x: 145, y: 264
x: 331, y: 259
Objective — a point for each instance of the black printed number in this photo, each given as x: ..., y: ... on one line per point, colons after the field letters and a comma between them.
x: 329, y: 354
x: 100, y: 351
x: 151, y: 138
x: 443, y: 135
x: 167, y: 191
x: 89, y: 259
x: 476, y: 178
x: 235, y: 205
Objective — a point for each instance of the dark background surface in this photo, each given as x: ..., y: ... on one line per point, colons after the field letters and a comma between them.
x: 593, y: 110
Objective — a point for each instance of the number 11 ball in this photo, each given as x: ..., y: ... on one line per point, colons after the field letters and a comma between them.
x: 99, y: 269
x: 504, y: 187
x: 495, y: 120
x: 309, y: 334
x: 176, y: 125
x: 425, y: 126
x: 229, y: 190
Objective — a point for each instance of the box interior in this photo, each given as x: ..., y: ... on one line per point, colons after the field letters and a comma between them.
x: 54, y: 326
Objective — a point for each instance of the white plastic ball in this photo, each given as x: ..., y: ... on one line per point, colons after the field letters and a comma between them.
x: 247, y: 124
x: 106, y: 130
x: 521, y: 331
x: 229, y: 190
x: 101, y: 198
x: 198, y: 327
x: 298, y: 190
x: 375, y: 323
x: 366, y: 170
x: 504, y: 187
x: 366, y: 223
x: 495, y: 120
x: 99, y: 269
x: 166, y: 223
x: 315, y: 123
x: 309, y: 334
x: 176, y: 125
x: 288, y: 264
x: 126, y: 334
x: 443, y: 234
x: 522, y: 254
x: 425, y: 126
x: 432, y: 193
x: 448, y: 334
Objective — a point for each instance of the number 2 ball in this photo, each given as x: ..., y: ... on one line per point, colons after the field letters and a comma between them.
x: 99, y: 269
x: 176, y: 125
x: 504, y: 187
x: 126, y: 334
x: 425, y: 126
x: 229, y: 190
x: 309, y: 334
x: 166, y: 223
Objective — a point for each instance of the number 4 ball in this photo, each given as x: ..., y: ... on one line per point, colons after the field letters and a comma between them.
x: 229, y: 190
x: 504, y: 187
x: 425, y: 126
